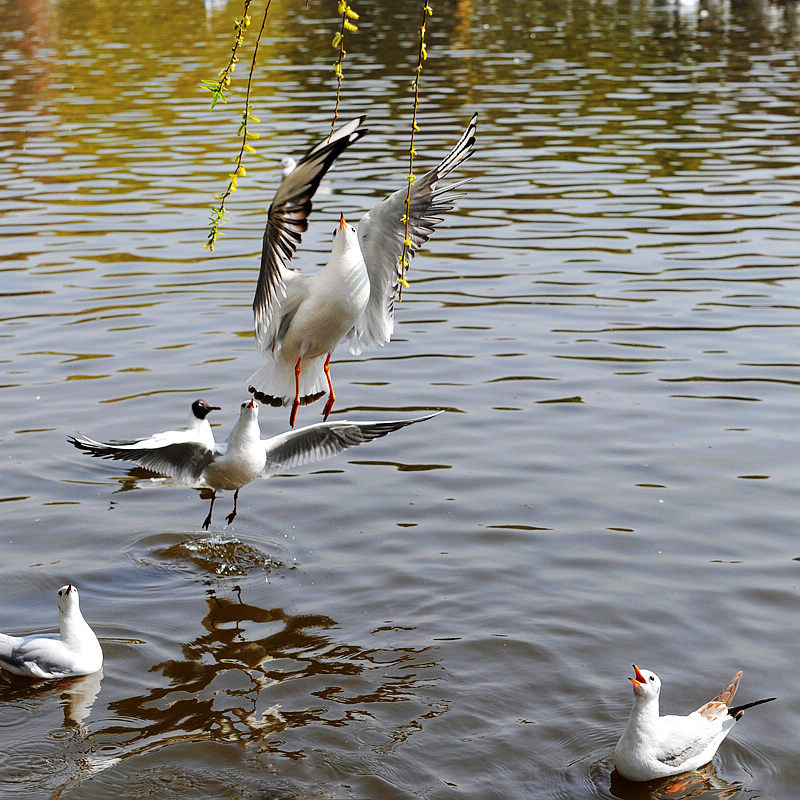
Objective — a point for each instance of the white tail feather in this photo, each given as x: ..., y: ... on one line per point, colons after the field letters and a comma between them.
x: 276, y: 378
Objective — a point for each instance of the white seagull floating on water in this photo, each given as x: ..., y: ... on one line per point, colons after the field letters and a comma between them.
x: 300, y: 319
x: 656, y: 747
x: 75, y: 651
x: 244, y: 455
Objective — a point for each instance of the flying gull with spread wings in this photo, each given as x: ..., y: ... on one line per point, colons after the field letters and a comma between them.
x: 244, y: 455
x: 300, y: 319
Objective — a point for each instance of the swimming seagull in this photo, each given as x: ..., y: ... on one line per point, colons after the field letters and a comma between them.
x: 287, y: 166
x: 300, y: 319
x: 656, y: 747
x: 244, y: 455
x: 75, y: 652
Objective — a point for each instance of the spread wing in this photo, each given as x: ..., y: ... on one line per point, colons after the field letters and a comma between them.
x: 184, y: 460
x: 380, y: 235
x: 287, y: 220
x: 326, y: 439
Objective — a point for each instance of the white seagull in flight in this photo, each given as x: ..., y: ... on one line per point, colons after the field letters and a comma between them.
x: 656, y: 747
x: 244, y: 455
x: 75, y: 651
x: 300, y: 319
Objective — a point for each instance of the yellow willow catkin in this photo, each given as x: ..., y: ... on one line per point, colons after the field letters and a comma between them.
x: 427, y: 11
x: 218, y: 212
x: 348, y: 16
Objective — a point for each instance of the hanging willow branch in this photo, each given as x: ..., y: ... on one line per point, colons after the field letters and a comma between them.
x: 348, y: 24
x: 217, y: 89
x: 219, y: 86
x: 427, y: 11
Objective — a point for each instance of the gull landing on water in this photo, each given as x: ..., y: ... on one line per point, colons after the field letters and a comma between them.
x: 198, y: 430
x: 75, y: 651
x: 656, y: 747
x: 244, y: 455
x: 300, y: 319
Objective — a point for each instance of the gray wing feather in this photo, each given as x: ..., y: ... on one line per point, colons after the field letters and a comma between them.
x: 380, y: 235
x: 326, y: 439
x: 8, y: 644
x: 46, y: 653
x: 287, y: 220
x: 182, y: 460
x: 675, y: 759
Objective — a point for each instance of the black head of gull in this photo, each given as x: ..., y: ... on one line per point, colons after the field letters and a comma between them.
x: 201, y: 409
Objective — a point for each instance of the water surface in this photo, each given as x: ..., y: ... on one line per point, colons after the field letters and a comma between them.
x: 610, y: 319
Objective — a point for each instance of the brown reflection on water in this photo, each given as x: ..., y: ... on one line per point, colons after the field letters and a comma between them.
x: 703, y: 782
x: 256, y: 672
x: 224, y: 655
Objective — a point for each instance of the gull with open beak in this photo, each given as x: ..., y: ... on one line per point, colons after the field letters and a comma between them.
x: 300, y: 319
x: 244, y: 455
x: 656, y: 747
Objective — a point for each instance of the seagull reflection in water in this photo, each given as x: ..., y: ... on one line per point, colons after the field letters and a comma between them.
x: 703, y: 782
x: 256, y: 672
x: 76, y: 695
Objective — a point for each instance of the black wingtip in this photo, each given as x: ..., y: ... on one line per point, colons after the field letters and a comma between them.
x: 79, y: 443
x: 737, y: 711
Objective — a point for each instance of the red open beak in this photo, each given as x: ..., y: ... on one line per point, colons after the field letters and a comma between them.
x: 252, y: 403
x: 639, y: 680
x: 342, y: 223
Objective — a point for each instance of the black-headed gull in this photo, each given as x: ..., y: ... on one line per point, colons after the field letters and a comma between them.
x: 198, y: 431
x: 657, y: 747
x: 244, y: 455
x: 300, y: 319
x: 75, y: 651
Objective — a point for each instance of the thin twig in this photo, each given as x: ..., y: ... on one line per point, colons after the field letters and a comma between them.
x: 403, y: 259
x: 218, y: 212
x: 223, y: 82
x: 348, y: 24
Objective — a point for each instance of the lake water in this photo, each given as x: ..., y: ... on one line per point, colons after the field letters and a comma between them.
x: 611, y: 320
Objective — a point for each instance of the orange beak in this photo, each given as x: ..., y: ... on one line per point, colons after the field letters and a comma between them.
x: 639, y: 680
x: 342, y: 223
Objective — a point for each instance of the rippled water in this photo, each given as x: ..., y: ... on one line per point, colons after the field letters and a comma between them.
x: 610, y: 319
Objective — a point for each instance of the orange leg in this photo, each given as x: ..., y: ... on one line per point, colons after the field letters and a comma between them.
x: 331, y: 395
x: 296, y: 403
